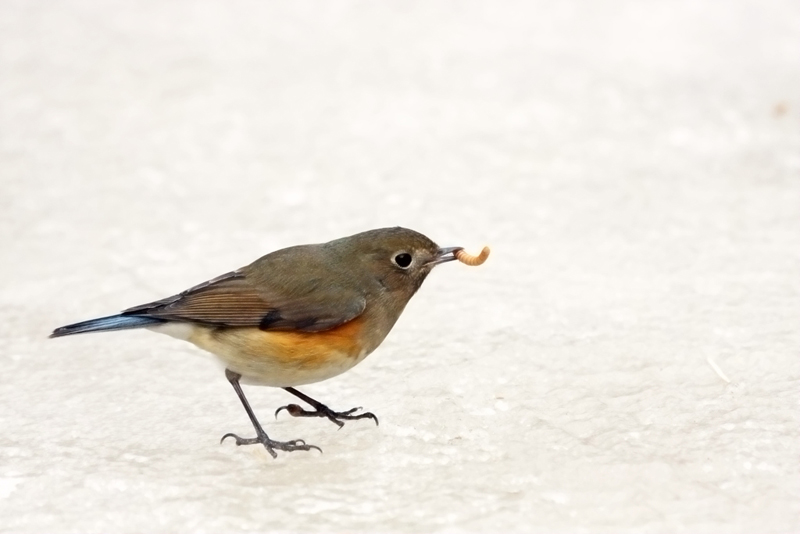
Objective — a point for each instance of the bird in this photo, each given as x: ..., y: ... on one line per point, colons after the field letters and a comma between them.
x: 295, y: 316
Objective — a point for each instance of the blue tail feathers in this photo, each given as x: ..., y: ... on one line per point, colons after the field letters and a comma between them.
x: 106, y: 324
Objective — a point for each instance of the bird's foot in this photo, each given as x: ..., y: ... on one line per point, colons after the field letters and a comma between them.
x: 323, y: 411
x: 272, y: 445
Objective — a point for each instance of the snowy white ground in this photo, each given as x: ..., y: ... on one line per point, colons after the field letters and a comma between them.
x: 634, y: 166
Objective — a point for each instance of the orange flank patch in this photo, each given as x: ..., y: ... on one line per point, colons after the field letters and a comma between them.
x: 310, y: 348
x: 286, y: 358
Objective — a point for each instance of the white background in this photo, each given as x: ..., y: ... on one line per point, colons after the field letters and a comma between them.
x: 634, y: 166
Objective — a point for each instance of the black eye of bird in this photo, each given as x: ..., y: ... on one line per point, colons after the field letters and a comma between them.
x: 403, y: 259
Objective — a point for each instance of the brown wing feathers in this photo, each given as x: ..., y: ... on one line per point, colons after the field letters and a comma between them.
x: 232, y: 300
x: 227, y: 300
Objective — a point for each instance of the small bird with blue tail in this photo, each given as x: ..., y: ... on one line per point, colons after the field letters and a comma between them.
x: 295, y: 316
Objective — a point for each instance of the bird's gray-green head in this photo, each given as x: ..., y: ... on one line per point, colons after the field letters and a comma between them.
x: 398, y: 258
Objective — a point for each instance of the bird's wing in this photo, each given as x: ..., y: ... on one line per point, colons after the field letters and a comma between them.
x: 234, y: 299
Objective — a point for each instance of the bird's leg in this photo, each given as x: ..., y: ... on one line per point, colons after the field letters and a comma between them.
x: 320, y: 410
x: 261, y: 436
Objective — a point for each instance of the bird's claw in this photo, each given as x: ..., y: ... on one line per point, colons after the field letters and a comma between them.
x: 272, y: 445
x: 323, y: 411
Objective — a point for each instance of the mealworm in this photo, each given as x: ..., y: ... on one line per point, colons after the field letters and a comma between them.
x: 468, y: 259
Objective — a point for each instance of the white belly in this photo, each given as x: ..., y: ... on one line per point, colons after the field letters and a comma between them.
x: 277, y: 359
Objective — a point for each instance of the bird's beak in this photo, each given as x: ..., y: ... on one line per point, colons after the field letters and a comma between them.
x: 444, y: 255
